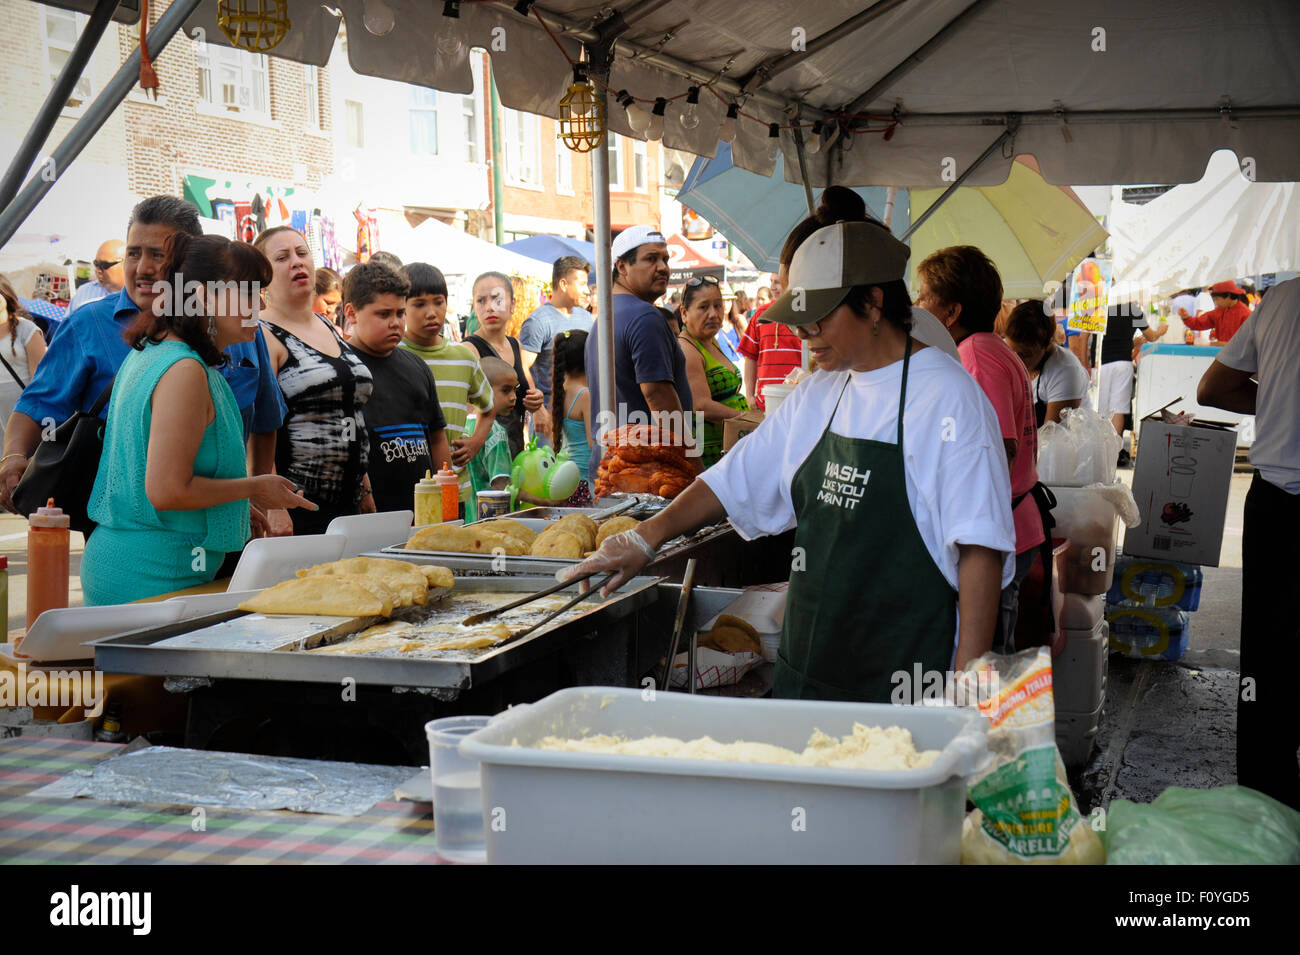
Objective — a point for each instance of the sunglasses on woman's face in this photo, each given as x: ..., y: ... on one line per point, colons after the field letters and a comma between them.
x: 698, y: 280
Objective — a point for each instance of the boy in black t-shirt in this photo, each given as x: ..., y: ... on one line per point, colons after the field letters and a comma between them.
x: 407, y: 430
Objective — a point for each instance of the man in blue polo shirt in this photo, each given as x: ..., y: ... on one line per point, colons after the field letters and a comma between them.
x: 83, y: 358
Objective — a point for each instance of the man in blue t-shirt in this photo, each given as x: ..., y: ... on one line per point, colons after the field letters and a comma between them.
x: 565, y: 312
x: 84, y: 357
x: 649, y: 367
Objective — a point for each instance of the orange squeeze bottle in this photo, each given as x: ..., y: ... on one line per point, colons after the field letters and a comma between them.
x: 47, y: 560
x: 450, y: 492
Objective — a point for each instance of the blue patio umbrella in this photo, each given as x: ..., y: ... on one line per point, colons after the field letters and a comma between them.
x: 757, y: 213
x: 548, y: 248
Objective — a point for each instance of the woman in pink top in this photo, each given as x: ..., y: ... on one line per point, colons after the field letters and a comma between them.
x: 962, y: 288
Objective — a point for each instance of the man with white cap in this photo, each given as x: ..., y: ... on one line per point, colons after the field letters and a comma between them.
x: 649, y: 367
x: 888, y: 462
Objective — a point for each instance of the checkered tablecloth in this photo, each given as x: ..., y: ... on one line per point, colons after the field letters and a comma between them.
x: 85, y: 830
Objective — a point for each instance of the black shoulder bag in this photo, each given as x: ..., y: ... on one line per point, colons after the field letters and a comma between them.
x: 65, y: 466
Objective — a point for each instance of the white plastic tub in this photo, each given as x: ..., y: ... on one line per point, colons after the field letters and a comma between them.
x: 547, y: 806
x: 1076, y: 734
x: 773, y: 395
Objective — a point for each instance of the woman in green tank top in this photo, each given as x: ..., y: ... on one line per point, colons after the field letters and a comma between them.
x: 172, y: 495
x: 715, y: 382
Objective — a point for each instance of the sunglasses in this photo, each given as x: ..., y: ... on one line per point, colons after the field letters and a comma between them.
x: 105, y: 266
x: 698, y: 280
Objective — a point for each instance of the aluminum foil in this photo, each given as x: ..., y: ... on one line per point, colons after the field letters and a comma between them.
x: 188, y: 777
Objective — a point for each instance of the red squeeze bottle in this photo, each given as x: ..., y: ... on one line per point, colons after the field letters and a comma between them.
x: 47, y: 560
x: 450, y: 492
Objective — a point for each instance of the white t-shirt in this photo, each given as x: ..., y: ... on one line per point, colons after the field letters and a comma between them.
x: 1268, y: 347
x: 954, y: 463
x: 1062, y: 378
x: 1204, y: 303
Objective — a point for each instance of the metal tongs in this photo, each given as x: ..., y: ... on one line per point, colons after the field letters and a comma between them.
x: 477, y: 618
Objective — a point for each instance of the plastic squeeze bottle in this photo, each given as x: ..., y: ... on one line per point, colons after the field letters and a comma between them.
x: 47, y: 560
x: 450, y: 492
x: 428, y: 500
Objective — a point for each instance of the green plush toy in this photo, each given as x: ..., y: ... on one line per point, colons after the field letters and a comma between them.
x: 540, y: 472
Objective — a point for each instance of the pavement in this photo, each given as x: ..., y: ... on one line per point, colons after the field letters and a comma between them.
x: 1174, y: 723
x: 1164, y: 724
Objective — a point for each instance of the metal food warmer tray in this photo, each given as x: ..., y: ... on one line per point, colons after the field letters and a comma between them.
x: 267, y: 648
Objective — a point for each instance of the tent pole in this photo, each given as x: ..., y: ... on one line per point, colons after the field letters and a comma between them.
x: 16, y: 212
x: 803, y: 169
x: 604, y: 291
x: 1008, y: 135
x: 58, y: 95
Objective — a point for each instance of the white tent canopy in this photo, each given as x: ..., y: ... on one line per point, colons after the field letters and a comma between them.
x: 457, y: 253
x: 1222, y: 227
x: 1102, y: 92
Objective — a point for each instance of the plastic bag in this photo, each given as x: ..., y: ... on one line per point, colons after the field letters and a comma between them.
x: 1230, y: 825
x: 1057, y: 455
x: 1025, y: 812
x: 1081, y: 450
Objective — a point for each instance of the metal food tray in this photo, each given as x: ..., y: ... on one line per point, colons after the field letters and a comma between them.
x: 259, y: 659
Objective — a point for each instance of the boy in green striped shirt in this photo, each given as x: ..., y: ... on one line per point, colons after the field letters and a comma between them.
x: 459, y: 380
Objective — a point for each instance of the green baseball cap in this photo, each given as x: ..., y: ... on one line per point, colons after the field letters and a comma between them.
x: 830, y: 264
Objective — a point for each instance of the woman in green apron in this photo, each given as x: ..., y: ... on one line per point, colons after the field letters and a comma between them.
x: 715, y: 382
x: 888, y: 462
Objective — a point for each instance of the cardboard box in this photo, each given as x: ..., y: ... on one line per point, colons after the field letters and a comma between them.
x: 733, y: 429
x: 1181, y: 486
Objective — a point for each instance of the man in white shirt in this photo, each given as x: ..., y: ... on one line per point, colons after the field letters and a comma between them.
x: 1256, y: 373
x: 109, y: 277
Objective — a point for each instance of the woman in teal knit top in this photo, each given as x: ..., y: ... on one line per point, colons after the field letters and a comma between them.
x: 171, y: 495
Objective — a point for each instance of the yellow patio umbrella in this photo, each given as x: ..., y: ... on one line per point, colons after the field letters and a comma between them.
x: 1034, y: 232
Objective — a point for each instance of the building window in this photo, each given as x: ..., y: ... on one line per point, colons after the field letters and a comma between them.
x: 311, y: 87
x: 563, y: 169
x: 424, y: 121
x: 471, y: 114
x: 356, y: 126
x: 640, y: 168
x: 522, y: 144
x: 615, y: 162
x: 61, y: 31
x: 234, y: 80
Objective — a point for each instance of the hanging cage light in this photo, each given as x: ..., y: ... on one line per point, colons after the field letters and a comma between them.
x: 582, y: 114
x: 253, y: 25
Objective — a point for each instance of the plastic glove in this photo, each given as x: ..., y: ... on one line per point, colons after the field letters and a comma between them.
x: 623, y: 554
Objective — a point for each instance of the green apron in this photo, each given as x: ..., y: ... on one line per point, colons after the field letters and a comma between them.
x: 866, y: 599
x: 724, y: 387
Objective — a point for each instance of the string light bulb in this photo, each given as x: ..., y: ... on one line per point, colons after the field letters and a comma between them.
x: 582, y: 114
x: 813, y: 144
x: 377, y: 17
x: 727, y: 131
x: 690, y: 116
x: 637, y: 118
x: 655, y: 128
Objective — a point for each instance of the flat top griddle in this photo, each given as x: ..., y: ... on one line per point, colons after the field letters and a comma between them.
x: 238, y: 645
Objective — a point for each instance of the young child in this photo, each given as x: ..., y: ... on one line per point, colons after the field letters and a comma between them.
x: 571, y: 404
x: 456, y: 373
x: 490, y: 467
x: 407, y: 431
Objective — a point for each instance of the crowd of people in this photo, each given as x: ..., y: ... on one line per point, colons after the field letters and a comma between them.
x: 909, y: 455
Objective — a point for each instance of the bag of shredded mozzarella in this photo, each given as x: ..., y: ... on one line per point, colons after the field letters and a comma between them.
x: 1025, y: 812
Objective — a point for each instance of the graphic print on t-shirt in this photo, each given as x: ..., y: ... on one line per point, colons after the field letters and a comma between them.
x: 404, y: 442
x: 843, y: 485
